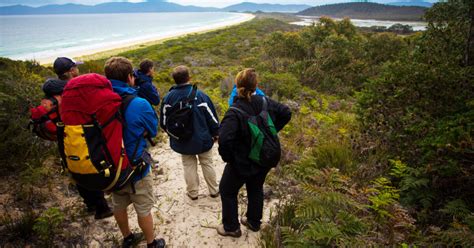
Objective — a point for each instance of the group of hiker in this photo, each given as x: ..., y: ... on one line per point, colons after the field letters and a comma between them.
x: 104, y: 125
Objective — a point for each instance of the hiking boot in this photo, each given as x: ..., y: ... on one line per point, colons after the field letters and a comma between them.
x: 106, y: 213
x: 221, y: 231
x: 132, y: 240
x: 192, y: 198
x: 246, y: 223
x: 157, y: 243
x: 90, y: 209
x: 215, y: 195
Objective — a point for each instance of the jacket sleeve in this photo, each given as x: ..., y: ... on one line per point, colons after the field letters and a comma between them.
x: 227, y: 136
x: 149, y: 119
x: 280, y: 113
x: 150, y: 93
x: 207, y: 108
x: 162, y: 114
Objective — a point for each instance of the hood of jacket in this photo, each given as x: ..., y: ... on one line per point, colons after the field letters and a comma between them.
x: 141, y: 76
x: 122, y: 88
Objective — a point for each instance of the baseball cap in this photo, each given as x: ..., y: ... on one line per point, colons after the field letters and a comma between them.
x: 62, y: 65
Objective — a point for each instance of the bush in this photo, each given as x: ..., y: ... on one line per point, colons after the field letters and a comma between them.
x: 20, y: 88
x: 419, y: 109
x: 47, y: 225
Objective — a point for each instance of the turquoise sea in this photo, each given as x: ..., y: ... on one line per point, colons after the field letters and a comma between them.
x: 44, y: 36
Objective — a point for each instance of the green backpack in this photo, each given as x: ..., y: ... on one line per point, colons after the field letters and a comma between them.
x: 265, y: 149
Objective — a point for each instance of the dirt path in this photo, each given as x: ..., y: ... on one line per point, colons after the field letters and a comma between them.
x: 179, y: 220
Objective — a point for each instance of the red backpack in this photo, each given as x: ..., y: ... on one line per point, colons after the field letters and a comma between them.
x: 44, y: 118
x: 90, y: 134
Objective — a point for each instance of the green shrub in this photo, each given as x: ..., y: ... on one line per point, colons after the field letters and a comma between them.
x: 47, y: 225
x: 419, y: 109
x: 20, y: 88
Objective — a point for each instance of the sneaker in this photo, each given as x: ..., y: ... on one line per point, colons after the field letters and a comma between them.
x: 132, y: 240
x: 99, y: 215
x: 157, y: 243
x: 223, y: 232
x: 192, y: 198
x: 215, y: 195
x: 245, y: 222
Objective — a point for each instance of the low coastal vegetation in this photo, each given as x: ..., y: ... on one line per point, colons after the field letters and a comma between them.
x: 379, y: 151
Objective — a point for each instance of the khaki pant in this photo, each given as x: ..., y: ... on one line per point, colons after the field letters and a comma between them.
x: 143, y: 198
x: 191, y: 175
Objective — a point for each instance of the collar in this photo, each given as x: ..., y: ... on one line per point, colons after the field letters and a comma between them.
x: 179, y: 86
x: 118, y: 83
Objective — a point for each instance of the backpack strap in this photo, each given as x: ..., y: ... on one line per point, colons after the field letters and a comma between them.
x: 264, y: 104
x: 102, y: 140
x: 192, y: 94
x: 126, y: 100
x: 60, y: 136
x: 264, y: 107
x: 137, y: 144
x: 240, y: 111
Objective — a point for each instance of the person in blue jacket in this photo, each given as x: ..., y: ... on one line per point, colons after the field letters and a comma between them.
x: 141, y: 120
x: 205, y: 132
x: 234, y: 94
x: 144, y: 82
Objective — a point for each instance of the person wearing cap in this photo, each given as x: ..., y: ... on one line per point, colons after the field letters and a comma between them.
x: 67, y: 69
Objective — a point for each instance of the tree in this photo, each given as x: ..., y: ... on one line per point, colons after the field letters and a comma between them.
x: 420, y: 108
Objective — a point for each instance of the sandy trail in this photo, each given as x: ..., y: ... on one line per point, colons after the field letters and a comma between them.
x: 179, y: 220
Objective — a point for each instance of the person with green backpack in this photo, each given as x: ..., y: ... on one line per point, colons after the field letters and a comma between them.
x: 249, y: 144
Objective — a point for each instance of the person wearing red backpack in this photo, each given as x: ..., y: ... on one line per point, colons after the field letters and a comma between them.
x: 141, y: 122
x: 67, y: 69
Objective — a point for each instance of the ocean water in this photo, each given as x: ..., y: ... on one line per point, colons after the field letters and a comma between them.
x: 417, y: 26
x: 44, y: 36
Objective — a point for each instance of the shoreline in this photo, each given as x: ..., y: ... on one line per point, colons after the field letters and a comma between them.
x: 113, y: 49
x: 309, y: 20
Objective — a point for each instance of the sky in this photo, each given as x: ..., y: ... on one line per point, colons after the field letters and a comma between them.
x: 207, y: 3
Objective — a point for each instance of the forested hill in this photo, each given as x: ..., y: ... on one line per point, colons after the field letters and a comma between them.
x: 265, y: 7
x: 367, y: 11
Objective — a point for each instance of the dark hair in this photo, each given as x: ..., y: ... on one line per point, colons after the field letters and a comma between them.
x: 64, y: 76
x: 181, y: 74
x: 118, y: 68
x: 146, y: 65
x: 246, y: 82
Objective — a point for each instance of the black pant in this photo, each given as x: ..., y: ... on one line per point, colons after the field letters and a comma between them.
x: 229, y: 187
x: 93, y: 199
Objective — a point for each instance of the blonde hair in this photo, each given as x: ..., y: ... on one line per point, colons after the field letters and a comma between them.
x: 246, y: 82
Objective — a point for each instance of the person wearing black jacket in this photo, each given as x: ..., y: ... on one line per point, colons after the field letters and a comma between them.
x: 234, y: 147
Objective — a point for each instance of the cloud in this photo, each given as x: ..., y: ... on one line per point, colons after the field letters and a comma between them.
x: 207, y: 3
x: 36, y: 3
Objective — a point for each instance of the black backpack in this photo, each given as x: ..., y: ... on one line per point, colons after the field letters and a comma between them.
x: 265, y: 149
x: 179, y: 118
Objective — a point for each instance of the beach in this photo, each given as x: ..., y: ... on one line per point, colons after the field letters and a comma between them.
x: 43, y: 38
x: 108, y: 50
